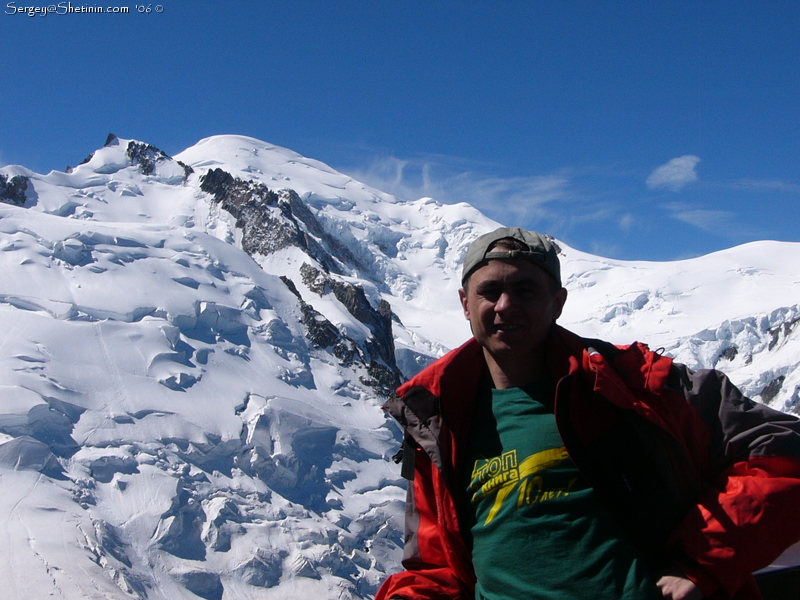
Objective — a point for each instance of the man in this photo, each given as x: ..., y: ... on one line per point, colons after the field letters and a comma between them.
x: 544, y: 465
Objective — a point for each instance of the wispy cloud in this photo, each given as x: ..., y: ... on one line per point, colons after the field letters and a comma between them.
x: 512, y: 199
x: 674, y: 175
x: 594, y: 208
x: 767, y: 185
x: 721, y: 223
x: 626, y: 222
x: 712, y: 221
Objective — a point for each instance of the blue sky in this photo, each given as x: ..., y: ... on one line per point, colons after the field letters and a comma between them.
x: 630, y: 129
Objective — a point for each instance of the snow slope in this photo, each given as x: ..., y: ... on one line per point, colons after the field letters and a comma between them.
x: 195, y: 350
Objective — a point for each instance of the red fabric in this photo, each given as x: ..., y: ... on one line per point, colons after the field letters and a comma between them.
x: 734, y: 529
x: 437, y: 575
x: 443, y: 567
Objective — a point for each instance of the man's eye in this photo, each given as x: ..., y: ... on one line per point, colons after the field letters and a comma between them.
x: 489, y: 292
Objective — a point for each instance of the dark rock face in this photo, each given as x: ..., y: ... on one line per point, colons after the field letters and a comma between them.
x: 187, y: 170
x: 772, y: 389
x: 145, y: 156
x: 218, y: 183
x: 781, y: 332
x: 355, y: 301
x: 379, y: 349
x: 271, y: 221
x: 385, y: 372
x: 376, y: 354
x: 321, y: 332
x: 266, y: 228
x: 12, y: 191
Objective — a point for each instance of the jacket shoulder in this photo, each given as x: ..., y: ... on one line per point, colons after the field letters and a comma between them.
x: 446, y: 372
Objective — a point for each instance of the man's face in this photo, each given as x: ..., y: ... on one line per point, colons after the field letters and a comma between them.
x: 511, y: 305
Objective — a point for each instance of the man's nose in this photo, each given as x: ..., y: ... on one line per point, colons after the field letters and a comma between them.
x: 503, y: 302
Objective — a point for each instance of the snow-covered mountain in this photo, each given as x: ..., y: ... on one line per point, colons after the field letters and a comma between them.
x: 196, y: 348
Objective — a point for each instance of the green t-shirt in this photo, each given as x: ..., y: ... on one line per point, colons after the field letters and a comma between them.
x: 539, y: 530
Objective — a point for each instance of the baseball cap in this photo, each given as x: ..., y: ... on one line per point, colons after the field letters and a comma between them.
x: 541, y: 251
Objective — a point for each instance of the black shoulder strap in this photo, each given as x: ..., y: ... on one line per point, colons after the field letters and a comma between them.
x: 406, y: 455
x: 607, y: 349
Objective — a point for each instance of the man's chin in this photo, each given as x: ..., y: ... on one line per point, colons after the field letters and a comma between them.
x: 505, y: 345
x: 519, y: 342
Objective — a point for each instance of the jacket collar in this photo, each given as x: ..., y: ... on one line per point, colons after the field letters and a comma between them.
x: 613, y: 371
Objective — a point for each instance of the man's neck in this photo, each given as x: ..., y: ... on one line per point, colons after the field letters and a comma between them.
x: 514, y: 372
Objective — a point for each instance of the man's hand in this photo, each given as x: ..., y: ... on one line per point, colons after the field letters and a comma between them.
x: 678, y: 587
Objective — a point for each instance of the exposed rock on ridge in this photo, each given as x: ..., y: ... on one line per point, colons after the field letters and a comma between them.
x: 12, y: 191
x: 376, y: 354
x: 380, y: 355
x: 271, y: 221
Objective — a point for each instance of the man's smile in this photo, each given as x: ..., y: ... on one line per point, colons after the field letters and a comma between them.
x: 506, y: 327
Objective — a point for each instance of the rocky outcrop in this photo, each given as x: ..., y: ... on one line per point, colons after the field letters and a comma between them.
x: 781, y: 332
x: 321, y: 332
x: 271, y: 221
x: 729, y: 353
x: 145, y: 156
x: 379, y: 348
x: 772, y: 388
x: 376, y: 353
x: 265, y: 228
x: 12, y: 191
x: 187, y: 170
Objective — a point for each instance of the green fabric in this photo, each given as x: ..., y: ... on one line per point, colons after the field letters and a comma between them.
x: 539, y: 530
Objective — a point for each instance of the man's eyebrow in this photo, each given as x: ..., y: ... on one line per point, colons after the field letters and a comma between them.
x: 486, y: 283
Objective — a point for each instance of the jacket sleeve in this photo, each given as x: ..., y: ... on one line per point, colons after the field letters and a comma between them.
x: 434, y: 551
x: 747, y: 512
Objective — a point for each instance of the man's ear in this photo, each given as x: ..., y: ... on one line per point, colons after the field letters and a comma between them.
x: 560, y: 301
x: 462, y: 295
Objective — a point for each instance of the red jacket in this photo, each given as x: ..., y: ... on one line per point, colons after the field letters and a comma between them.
x: 701, y: 476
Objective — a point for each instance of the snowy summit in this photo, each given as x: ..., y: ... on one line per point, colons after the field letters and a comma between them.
x: 196, y: 349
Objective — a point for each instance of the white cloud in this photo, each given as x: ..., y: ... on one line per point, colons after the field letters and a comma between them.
x: 580, y: 206
x: 712, y: 221
x: 675, y: 174
x: 767, y: 185
x: 517, y: 199
x: 721, y: 223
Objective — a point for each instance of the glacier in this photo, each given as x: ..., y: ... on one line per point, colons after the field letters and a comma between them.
x: 196, y: 349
